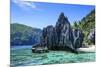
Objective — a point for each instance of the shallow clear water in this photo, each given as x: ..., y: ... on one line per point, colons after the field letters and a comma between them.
x: 23, y: 56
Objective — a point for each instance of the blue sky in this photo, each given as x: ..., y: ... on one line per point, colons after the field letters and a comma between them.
x: 39, y: 14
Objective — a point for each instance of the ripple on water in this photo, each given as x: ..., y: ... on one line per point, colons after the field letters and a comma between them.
x: 24, y: 56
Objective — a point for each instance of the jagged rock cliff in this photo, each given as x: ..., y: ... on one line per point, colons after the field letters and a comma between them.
x: 64, y: 33
x: 61, y: 37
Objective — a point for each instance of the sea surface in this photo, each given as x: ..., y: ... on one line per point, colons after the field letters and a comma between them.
x: 23, y: 56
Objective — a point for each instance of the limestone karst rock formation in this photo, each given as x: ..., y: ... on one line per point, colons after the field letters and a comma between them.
x: 48, y: 37
x: 91, y: 36
x: 61, y: 36
x: 64, y: 33
x: 78, y: 38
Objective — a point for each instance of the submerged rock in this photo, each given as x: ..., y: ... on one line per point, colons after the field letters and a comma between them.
x: 38, y: 49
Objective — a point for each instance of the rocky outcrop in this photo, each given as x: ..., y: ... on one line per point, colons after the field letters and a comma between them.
x: 48, y: 37
x: 61, y: 37
x: 91, y: 36
x: 37, y: 48
x: 78, y: 38
x: 64, y: 34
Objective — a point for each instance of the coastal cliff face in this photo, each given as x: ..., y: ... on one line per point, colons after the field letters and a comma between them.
x: 61, y: 36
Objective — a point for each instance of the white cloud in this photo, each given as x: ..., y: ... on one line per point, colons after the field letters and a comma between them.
x: 24, y: 4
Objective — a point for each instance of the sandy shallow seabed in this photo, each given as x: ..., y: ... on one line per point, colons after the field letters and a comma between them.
x: 23, y: 56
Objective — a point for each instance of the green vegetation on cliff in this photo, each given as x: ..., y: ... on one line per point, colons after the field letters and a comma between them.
x: 86, y: 24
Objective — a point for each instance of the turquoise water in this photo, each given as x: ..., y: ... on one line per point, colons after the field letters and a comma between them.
x: 23, y: 56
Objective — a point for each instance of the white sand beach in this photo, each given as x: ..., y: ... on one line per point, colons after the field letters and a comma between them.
x: 90, y: 49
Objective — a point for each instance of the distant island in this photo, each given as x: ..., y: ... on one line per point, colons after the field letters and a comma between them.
x: 23, y: 35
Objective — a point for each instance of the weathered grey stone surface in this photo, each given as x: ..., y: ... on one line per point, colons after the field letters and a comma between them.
x: 61, y: 37
x: 91, y: 36
x: 78, y: 38
x: 64, y: 32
